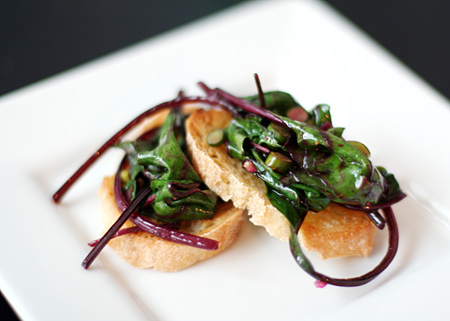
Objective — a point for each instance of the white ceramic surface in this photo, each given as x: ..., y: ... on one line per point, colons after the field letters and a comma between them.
x: 303, y: 47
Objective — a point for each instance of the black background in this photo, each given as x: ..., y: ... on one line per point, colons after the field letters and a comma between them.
x: 41, y: 38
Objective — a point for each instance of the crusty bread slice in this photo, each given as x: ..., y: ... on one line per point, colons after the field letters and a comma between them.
x: 147, y: 251
x: 226, y: 176
x: 144, y: 250
x: 332, y: 233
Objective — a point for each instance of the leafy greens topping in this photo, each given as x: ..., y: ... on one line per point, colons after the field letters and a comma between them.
x: 317, y: 167
x: 177, y: 193
x: 325, y: 167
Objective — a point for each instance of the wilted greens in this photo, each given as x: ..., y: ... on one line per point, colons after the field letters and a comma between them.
x: 178, y: 193
x: 303, y: 159
x: 306, y: 164
x: 324, y: 167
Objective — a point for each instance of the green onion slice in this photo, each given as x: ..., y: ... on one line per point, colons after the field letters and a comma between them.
x: 216, y: 137
x: 278, y: 162
x: 281, y: 134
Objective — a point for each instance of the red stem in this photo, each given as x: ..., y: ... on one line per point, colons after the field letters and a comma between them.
x: 177, y: 102
x: 160, y: 231
x: 262, y: 101
x: 122, y: 231
x: 140, y: 197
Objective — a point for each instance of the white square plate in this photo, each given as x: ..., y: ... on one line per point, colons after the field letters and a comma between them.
x: 302, y: 47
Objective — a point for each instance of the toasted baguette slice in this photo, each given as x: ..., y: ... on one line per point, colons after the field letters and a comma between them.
x: 144, y: 250
x: 332, y: 233
x: 147, y: 251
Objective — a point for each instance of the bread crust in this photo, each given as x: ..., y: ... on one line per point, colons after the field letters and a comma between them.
x: 331, y: 233
x: 144, y: 250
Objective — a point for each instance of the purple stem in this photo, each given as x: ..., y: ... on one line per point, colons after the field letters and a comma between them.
x: 260, y: 147
x: 122, y: 231
x: 163, y: 232
x: 174, y: 235
x: 374, y: 207
x: 262, y: 101
x: 376, y: 219
x: 249, y: 107
x: 140, y: 197
x: 176, y: 103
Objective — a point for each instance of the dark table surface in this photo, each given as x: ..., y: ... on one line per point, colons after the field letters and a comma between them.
x: 39, y: 39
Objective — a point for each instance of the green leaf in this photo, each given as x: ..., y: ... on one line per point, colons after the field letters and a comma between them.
x: 251, y: 128
x: 278, y: 102
x: 170, y: 207
x: 174, y: 182
x: 168, y: 157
